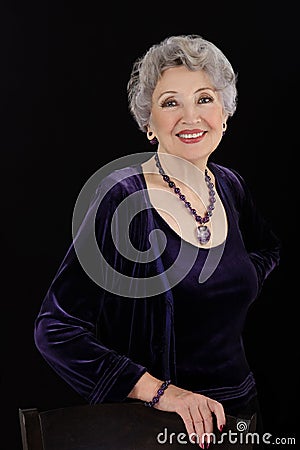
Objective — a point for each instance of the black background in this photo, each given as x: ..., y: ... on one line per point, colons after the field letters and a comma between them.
x: 64, y: 114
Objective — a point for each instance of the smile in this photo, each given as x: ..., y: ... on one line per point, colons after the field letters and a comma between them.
x: 192, y: 135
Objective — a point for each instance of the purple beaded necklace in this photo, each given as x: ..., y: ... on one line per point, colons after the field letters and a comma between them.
x: 203, y: 233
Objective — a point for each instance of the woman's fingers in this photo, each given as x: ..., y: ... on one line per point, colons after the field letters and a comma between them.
x: 196, y: 411
x: 202, y: 418
x: 194, y: 426
x: 197, y: 417
x: 201, y: 422
x: 218, y: 410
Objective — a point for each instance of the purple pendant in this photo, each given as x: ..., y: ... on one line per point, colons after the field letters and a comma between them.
x: 203, y: 234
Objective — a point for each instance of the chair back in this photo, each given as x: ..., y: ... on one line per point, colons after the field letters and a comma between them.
x: 111, y: 426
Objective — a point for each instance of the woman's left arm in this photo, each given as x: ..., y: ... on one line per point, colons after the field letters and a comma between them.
x: 261, y: 242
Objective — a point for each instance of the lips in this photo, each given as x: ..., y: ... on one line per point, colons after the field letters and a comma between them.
x: 191, y: 136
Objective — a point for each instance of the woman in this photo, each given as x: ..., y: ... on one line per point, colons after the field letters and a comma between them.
x: 174, y: 343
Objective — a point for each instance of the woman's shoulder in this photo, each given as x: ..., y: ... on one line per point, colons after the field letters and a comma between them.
x: 225, y: 172
x: 231, y: 180
x: 124, y: 179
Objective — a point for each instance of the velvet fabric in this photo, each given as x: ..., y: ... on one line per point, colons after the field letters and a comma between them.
x: 101, y: 342
x: 209, y: 317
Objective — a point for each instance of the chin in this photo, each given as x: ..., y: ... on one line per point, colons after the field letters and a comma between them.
x: 189, y: 153
x: 194, y: 156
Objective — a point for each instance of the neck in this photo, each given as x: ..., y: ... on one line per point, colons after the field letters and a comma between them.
x: 182, y: 170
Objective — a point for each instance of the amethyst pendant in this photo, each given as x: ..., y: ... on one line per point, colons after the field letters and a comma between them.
x: 203, y: 234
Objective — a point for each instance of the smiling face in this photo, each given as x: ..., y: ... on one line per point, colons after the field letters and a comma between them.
x: 187, y: 114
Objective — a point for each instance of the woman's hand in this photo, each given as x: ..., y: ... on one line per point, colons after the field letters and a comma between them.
x: 196, y: 411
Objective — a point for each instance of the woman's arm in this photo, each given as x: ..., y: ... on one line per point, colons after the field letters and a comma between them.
x: 65, y: 328
x: 260, y: 240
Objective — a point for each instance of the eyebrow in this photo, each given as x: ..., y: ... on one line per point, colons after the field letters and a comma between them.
x: 198, y: 90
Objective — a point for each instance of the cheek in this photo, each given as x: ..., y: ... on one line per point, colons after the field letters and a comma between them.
x: 215, y: 118
x: 163, y: 122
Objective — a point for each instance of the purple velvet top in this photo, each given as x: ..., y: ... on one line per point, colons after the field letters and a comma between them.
x: 209, y: 317
x: 101, y: 342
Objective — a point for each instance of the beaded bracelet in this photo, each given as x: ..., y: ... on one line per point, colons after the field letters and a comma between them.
x: 160, y: 392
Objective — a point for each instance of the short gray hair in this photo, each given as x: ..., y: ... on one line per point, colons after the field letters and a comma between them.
x: 192, y: 51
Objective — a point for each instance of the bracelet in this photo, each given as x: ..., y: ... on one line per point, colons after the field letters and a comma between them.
x: 160, y: 392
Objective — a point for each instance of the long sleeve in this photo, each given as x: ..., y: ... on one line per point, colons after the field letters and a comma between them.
x: 66, y: 331
x: 260, y: 240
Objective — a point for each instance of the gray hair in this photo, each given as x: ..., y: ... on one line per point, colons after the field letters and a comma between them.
x: 192, y: 51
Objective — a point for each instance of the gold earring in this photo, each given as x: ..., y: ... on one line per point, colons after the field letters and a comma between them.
x: 153, y: 140
x: 150, y: 135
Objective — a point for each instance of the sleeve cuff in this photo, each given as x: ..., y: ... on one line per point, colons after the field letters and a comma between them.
x: 117, y: 382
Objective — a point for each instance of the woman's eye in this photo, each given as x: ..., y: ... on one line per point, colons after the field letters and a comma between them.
x: 169, y: 103
x: 206, y: 99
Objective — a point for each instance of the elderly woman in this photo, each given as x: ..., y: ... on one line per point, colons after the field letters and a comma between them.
x: 184, y: 250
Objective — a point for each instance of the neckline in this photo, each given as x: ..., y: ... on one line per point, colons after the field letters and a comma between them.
x: 140, y: 169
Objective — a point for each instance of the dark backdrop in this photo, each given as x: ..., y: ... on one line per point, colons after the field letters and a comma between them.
x: 64, y: 70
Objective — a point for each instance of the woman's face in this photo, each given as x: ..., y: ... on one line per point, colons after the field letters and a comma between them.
x: 187, y: 114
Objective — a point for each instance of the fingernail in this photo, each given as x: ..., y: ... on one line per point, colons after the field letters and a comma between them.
x: 221, y: 428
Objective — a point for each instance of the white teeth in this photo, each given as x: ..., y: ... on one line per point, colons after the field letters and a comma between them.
x: 191, y: 136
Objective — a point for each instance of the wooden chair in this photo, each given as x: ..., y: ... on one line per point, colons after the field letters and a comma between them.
x: 110, y: 426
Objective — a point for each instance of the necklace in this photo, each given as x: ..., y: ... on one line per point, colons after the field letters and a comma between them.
x: 203, y: 233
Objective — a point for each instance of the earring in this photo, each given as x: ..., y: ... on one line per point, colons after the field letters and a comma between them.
x: 224, y: 126
x: 153, y: 140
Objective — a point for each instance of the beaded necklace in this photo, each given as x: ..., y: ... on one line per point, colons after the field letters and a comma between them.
x: 202, y: 231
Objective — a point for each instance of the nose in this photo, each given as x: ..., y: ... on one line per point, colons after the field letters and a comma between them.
x: 191, y: 114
